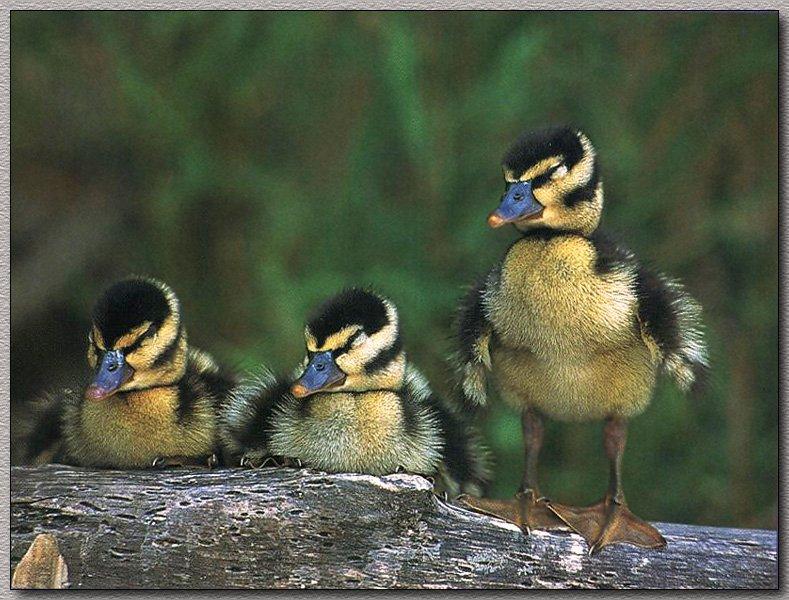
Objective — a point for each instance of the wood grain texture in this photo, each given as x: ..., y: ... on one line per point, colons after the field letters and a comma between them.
x: 280, y: 528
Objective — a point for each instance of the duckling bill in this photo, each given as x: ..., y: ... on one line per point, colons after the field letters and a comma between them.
x: 151, y: 401
x: 570, y: 325
x: 355, y: 405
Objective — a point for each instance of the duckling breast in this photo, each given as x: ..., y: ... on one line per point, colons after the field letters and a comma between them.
x: 551, y: 301
x: 615, y: 383
x: 350, y: 432
x: 133, y: 430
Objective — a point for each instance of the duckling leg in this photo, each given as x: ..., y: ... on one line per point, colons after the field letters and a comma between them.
x: 610, y: 521
x: 529, y: 510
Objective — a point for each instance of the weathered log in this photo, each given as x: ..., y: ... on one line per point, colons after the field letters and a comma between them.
x: 274, y: 528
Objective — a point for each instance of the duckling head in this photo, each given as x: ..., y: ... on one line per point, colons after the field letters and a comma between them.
x: 552, y: 181
x: 353, y: 345
x: 136, y: 340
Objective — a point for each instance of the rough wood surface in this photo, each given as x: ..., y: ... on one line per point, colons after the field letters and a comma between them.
x: 274, y: 528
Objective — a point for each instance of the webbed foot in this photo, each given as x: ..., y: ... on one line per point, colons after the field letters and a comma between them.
x: 608, y: 522
x: 526, y: 510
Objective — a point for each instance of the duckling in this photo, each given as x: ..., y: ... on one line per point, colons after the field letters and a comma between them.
x: 356, y: 404
x: 153, y: 400
x: 570, y: 325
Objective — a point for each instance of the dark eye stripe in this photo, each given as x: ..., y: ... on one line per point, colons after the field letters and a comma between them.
x: 140, y: 339
x: 347, y: 346
x: 541, y: 180
x: 134, y: 345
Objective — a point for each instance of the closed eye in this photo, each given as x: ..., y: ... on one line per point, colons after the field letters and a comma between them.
x: 142, y: 338
x: 557, y: 171
x: 554, y: 172
x: 347, y: 345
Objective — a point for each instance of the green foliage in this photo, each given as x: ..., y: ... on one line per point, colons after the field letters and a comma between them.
x: 261, y: 161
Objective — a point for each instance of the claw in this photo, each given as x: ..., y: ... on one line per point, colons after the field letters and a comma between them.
x: 163, y: 462
x: 249, y: 462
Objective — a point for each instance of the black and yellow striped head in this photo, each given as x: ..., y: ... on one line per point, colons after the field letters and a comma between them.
x: 552, y: 181
x: 353, y: 344
x: 136, y: 339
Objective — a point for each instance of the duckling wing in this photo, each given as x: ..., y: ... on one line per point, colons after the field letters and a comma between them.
x: 208, y: 374
x: 668, y: 317
x: 41, y: 428
x: 671, y: 319
x: 465, y: 458
x: 474, y: 332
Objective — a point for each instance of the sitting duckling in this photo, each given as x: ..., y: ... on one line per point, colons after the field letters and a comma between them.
x: 357, y: 406
x: 570, y: 325
x: 153, y: 400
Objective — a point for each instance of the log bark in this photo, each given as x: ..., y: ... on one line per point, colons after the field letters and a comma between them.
x: 288, y: 528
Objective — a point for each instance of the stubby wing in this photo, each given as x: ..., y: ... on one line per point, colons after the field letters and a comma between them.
x: 474, y: 333
x: 671, y: 318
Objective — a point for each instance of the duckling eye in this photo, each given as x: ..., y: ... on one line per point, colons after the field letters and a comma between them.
x: 355, y: 341
x: 558, y: 171
x: 555, y: 172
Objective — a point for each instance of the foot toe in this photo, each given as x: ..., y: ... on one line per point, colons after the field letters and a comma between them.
x: 524, y: 511
x: 607, y: 523
x: 623, y: 527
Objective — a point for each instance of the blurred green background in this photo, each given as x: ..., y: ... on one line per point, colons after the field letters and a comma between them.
x: 258, y: 162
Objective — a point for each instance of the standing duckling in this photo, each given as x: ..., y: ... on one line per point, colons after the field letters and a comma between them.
x: 570, y: 325
x: 153, y: 400
x: 357, y: 406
